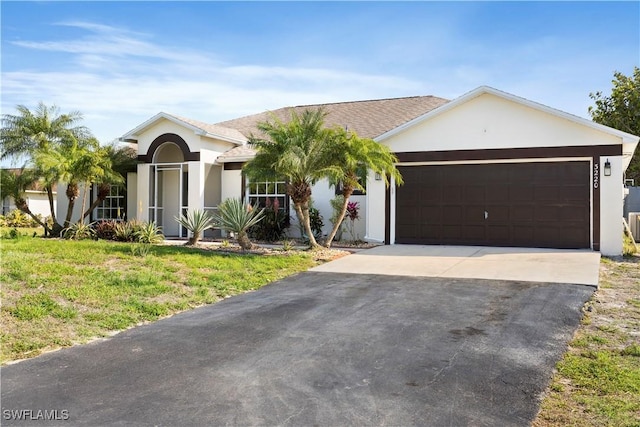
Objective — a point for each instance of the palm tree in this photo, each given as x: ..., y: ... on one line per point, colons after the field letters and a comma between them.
x: 296, y: 151
x: 74, y: 162
x: 113, y: 163
x: 354, y: 157
x: 14, y: 184
x: 30, y: 132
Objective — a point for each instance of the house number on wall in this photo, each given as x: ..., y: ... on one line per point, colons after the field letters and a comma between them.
x: 596, y: 175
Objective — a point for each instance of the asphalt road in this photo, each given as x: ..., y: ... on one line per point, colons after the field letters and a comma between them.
x: 324, y: 349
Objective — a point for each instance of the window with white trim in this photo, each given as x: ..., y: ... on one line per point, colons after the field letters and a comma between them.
x: 113, y: 207
x: 275, y: 191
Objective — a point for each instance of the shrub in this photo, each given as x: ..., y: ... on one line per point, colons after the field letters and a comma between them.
x: 124, y: 231
x: 106, y: 229
x: 274, y: 224
x: 11, y: 234
x: 235, y: 216
x: 628, y: 246
x: 316, y: 222
x: 196, y: 222
x: 17, y: 218
x: 79, y: 231
x: 148, y: 233
x: 352, y: 214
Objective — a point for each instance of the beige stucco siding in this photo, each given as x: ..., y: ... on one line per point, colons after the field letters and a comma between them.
x: 490, y: 122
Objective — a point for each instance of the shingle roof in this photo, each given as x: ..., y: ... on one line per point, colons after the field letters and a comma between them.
x: 237, y: 154
x: 369, y: 119
x: 217, y: 130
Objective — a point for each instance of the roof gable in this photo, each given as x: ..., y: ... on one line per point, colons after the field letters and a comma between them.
x: 197, y: 127
x: 626, y: 137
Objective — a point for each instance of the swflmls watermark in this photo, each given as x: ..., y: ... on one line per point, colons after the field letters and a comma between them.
x: 35, y: 415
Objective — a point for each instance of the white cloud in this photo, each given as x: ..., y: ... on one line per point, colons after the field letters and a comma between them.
x: 119, y: 80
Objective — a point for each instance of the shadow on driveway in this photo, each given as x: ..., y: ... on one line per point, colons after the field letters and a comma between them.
x: 319, y: 349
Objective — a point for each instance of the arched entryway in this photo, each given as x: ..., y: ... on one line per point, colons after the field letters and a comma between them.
x: 169, y: 190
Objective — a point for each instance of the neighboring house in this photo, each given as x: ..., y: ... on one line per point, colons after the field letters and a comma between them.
x: 36, y: 198
x: 488, y: 168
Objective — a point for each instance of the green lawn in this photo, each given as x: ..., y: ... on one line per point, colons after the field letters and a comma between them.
x: 57, y: 293
x: 597, y: 382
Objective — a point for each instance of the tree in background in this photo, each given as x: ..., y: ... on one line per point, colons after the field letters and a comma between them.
x: 30, y: 132
x: 621, y: 110
x: 55, y: 148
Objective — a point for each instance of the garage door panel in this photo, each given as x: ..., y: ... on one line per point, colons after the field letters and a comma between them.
x: 545, y: 204
x: 521, y: 213
x: 498, y: 193
x: 521, y: 194
x: 498, y: 214
x: 473, y: 214
x: 452, y: 215
x: 452, y: 194
x: 429, y: 195
x: 430, y: 231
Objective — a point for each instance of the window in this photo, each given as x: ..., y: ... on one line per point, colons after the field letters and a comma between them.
x: 259, y: 192
x: 362, y: 179
x: 113, y: 207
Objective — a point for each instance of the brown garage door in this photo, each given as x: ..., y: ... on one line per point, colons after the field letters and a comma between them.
x: 507, y: 204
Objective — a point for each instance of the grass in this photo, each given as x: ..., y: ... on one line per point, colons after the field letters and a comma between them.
x: 597, y: 382
x: 57, y: 293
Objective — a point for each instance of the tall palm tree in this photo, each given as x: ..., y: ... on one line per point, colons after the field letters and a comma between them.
x: 297, y: 152
x: 354, y: 157
x: 29, y: 132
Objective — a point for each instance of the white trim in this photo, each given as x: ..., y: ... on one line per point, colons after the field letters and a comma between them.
x: 490, y: 161
x: 626, y: 137
x: 392, y: 211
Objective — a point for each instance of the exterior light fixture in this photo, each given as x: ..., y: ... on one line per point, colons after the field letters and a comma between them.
x: 378, y: 176
x: 607, y: 168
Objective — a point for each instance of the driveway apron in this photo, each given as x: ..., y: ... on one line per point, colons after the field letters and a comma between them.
x: 317, y: 348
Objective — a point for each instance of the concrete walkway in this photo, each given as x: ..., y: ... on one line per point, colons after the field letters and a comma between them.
x: 473, y: 262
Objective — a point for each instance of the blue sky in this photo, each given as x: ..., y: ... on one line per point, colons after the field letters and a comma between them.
x: 120, y: 63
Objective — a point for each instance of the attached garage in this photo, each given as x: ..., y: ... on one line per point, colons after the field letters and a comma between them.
x: 537, y: 204
x: 493, y: 169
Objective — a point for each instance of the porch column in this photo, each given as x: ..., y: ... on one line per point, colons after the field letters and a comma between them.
x: 141, y: 210
x: 196, y: 186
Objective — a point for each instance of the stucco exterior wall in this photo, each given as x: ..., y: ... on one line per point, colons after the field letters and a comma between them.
x: 611, y: 207
x: 142, y: 207
x: 132, y: 195
x: 489, y: 121
x: 231, y: 184
x: 209, y: 148
x: 375, y: 210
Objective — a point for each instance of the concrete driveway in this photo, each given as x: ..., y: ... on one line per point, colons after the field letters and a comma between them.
x: 318, y: 348
x: 474, y: 262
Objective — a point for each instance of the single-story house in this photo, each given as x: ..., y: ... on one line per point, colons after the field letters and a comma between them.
x: 488, y: 168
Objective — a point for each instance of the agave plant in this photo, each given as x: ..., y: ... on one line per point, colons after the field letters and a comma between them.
x: 196, y: 221
x: 237, y: 217
x: 149, y: 233
x: 79, y: 231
